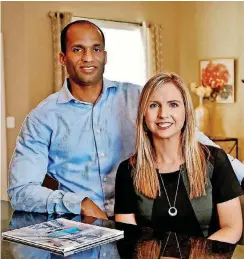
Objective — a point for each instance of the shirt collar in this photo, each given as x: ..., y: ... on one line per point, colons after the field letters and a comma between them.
x: 65, y: 95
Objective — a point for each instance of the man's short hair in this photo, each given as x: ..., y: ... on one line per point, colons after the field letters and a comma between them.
x: 65, y: 29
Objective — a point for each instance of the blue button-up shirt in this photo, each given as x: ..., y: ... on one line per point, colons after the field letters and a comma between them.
x: 78, y: 144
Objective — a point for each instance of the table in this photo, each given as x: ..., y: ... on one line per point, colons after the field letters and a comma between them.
x: 230, y: 148
x: 138, y: 242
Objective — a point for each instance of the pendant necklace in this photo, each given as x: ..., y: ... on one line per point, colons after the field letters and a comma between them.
x: 172, y: 209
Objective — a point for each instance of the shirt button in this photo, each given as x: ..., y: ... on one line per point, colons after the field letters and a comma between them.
x: 98, y: 131
x: 104, y: 254
x: 105, y: 179
x: 102, y: 154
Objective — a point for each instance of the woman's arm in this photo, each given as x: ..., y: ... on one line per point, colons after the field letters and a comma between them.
x: 230, y: 220
x: 125, y: 197
x: 126, y: 218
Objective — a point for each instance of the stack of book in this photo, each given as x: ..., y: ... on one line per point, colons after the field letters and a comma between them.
x: 63, y: 236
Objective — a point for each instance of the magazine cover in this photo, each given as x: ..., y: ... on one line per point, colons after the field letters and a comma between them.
x: 63, y: 236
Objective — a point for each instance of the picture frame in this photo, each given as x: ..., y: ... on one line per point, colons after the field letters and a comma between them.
x: 219, y: 74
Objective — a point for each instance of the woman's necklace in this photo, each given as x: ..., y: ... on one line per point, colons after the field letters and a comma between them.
x: 172, y: 209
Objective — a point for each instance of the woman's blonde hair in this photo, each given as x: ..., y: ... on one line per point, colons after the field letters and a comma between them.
x: 148, y: 249
x: 143, y: 162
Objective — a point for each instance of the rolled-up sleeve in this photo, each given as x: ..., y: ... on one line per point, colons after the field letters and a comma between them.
x: 28, y: 168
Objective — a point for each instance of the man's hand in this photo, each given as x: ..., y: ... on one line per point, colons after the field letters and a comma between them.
x: 89, y: 208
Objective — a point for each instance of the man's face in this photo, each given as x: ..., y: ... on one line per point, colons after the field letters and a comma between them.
x: 85, y: 57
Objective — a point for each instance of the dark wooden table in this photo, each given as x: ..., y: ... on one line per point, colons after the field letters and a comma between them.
x: 138, y: 242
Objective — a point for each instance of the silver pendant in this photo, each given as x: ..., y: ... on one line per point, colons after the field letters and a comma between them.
x: 172, y: 211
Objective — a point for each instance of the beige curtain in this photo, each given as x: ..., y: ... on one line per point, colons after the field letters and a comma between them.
x: 155, y: 48
x: 58, y: 21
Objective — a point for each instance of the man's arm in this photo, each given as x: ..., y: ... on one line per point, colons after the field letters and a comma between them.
x: 238, y: 167
x: 28, y: 167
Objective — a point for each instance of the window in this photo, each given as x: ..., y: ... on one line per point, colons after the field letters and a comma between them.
x: 125, y: 46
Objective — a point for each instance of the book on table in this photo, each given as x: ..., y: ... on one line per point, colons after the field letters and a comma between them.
x: 63, y: 236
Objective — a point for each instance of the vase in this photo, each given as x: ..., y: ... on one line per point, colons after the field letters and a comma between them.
x: 202, y: 117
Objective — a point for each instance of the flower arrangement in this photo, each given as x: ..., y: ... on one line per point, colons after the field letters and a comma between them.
x: 201, y: 90
x: 214, y: 82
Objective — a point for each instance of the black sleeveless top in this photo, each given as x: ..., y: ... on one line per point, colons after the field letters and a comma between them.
x: 225, y: 186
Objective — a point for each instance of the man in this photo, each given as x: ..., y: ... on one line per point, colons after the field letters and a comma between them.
x: 78, y: 135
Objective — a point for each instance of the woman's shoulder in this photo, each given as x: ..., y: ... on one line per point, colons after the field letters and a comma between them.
x: 213, y: 153
x: 126, y: 163
x: 125, y: 167
x: 210, y: 150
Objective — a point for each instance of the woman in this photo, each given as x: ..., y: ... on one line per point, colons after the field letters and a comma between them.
x: 173, y: 182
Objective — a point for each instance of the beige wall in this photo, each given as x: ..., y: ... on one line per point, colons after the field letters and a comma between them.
x: 193, y: 31
x: 3, y: 155
x: 215, y: 30
x: 28, y: 53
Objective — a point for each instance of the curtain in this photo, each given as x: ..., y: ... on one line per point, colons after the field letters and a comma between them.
x: 154, y: 47
x: 58, y: 21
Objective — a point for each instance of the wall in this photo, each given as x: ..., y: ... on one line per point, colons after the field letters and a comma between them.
x: 3, y: 155
x: 214, y: 30
x: 16, y: 67
x: 28, y: 53
x: 193, y: 31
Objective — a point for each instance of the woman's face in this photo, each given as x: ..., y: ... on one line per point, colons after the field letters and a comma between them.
x: 165, y: 112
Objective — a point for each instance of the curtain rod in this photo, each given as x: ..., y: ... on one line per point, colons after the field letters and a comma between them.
x: 108, y: 20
